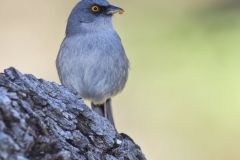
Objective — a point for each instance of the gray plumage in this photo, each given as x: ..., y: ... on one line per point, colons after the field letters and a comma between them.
x: 91, y: 59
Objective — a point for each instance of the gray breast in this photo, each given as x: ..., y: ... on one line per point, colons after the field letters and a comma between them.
x: 95, y: 65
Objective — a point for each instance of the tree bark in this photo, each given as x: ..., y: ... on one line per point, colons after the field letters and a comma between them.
x: 40, y: 120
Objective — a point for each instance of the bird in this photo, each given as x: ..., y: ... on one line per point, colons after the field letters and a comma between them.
x: 92, y: 60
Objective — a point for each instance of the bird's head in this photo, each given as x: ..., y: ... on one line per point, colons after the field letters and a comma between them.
x: 90, y: 14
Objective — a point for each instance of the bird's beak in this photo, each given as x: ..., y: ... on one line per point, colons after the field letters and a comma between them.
x: 111, y: 10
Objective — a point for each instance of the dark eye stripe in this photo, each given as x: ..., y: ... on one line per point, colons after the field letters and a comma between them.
x: 101, y: 9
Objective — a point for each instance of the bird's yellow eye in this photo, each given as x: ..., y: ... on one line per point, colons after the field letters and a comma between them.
x: 95, y: 8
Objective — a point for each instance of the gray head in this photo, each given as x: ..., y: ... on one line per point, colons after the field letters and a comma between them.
x: 91, y: 15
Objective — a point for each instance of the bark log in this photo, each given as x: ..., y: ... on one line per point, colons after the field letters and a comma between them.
x: 41, y: 120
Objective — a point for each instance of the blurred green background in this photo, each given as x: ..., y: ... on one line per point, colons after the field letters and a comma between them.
x: 182, y: 100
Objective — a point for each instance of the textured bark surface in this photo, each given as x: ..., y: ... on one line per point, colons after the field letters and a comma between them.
x: 40, y: 120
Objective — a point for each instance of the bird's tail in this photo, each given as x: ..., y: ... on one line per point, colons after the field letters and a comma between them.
x: 104, y: 110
